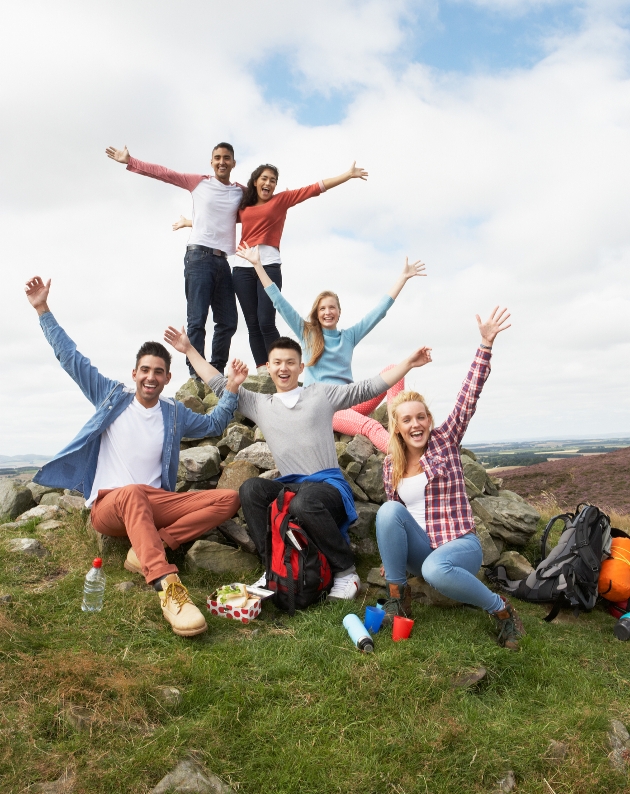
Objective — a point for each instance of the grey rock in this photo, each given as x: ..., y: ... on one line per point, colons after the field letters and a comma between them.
x: 80, y: 718
x: 210, y: 401
x: 6, y: 599
x: 259, y: 454
x: 51, y: 499
x: 235, y: 474
x: 27, y: 546
x: 38, y: 491
x: 488, y: 547
x: 169, y: 695
x: 72, y: 504
x: 260, y: 383
x: 123, y: 587
x: 70, y: 492
x: 474, y: 472
x: 46, y: 526
x: 63, y: 785
x: 371, y: 479
x: 381, y: 415
x: 272, y: 474
x: 198, y: 463
x: 238, y: 534
x: 189, y: 777
x: 469, y: 678
x: 192, y: 388
x: 506, y: 784
x: 365, y: 525
x: 516, y: 566
x: 423, y: 592
x: 237, y: 438
x: 205, y: 485
x: 194, y: 404
x: 490, y: 487
x: 45, y: 512
x: 211, y: 441
x: 511, y: 519
x: 497, y: 482
x: 618, y: 736
x: 258, y: 435
x: 374, y: 577
x: 14, y: 499
x: 364, y: 546
x: 468, y: 452
x: 556, y: 751
x: 10, y: 525
x: 208, y: 556
x: 342, y: 458
x: 472, y: 492
x: 353, y: 469
x: 357, y: 492
x: 228, y: 459
x: 359, y: 449
x: 107, y: 543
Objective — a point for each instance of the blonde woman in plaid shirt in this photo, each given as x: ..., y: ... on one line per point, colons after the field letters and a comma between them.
x: 426, y: 526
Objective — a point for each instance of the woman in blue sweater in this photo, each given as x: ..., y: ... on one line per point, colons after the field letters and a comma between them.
x: 328, y: 350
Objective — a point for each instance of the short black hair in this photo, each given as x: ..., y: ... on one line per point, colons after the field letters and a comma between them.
x: 285, y: 343
x: 224, y: 145
x: 154, y: 349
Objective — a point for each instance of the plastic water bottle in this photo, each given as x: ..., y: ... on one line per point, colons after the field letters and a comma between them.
x: 622, y: 627
x: 94, y: 588
x: 359, y: 635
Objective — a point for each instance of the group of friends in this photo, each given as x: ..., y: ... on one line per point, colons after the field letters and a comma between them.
x: 125, y: 459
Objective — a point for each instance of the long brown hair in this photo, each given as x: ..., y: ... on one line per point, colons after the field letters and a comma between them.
x: 313, y: 334
x: 250, y: 194
x: 397, y: 448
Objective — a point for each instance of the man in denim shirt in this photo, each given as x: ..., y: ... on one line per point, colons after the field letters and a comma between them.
x: 125, y: 459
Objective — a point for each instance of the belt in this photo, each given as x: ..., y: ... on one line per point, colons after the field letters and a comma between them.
x: 205, y: 248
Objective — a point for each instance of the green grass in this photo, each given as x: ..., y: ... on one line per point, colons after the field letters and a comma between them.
x: 288, y: 705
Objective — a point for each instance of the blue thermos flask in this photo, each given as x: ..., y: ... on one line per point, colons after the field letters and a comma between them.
x: 359, y: 635
x: 622, y: 627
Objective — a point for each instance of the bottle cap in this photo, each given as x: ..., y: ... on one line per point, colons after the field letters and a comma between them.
x: 97, y: 562
x: 366, y: 645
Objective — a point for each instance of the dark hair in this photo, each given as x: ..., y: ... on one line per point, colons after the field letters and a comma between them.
x: 154, y: 349
x: 285, y: 343
x: 224, y: 145
x: 250, y: 196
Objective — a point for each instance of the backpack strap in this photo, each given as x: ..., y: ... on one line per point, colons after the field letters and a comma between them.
x: 566, y: 517
x: 583, y: 545
x: 561, y: 601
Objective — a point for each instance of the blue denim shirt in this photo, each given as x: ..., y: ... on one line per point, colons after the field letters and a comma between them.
x: 75, y: 466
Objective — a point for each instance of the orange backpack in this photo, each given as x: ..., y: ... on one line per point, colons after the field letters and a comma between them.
x: 614, y: 576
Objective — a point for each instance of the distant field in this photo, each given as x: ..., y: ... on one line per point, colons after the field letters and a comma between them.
x: 532, y: 453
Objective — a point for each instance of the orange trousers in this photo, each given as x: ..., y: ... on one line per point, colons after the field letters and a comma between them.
x: 148, y: 516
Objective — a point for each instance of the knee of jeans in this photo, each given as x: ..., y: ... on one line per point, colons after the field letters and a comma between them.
x: 387, y: 517
x: 248, y: 489
x: 433, y: 570
x: 305, y: 502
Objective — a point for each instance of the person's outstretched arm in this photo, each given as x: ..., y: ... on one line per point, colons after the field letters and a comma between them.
x: 94, y: 386
x: 185, y: 181
x: 352, y: 173
x: 180, y: 341
x: 409, y: 271
x: 458, y: 420
x: 181, y: 223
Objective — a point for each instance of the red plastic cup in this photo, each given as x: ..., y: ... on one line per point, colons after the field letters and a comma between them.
x: 401, y: 628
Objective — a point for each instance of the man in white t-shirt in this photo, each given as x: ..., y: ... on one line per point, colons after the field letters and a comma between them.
x: 207, y: 274
x: 125, y: 460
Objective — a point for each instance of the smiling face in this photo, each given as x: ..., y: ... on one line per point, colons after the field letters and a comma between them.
x: 328, y: 312
x: 150, y: 376
x: 285, y: 367
x: 265, y: 186
x: 222, y: 164
x: 413, y: 424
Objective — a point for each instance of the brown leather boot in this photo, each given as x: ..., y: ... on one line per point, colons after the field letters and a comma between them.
x: 509, y: 625
x: 398, y: 602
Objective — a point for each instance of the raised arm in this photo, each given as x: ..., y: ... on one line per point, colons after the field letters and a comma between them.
x: 352, y: 173
x: 237, y: 371
x: 409, y: 271
x: 185, y: 181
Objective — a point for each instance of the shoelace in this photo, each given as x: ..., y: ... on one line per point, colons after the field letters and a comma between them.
x: 178, y: 593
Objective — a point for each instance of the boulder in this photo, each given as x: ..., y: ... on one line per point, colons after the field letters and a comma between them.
x: 39, y: 491
x: 238, y: 534
x: 210, y: 441
x: 423, y: 592
x: 194, y: 404
x: 260, y: 383
x: 209, y: 401
x: 235, y: 474
x: 353, y: 469
x: 516, y: 566
x: 107, y: 543
x: 488, y: 547
x: 71, y: 504
x: 192, y: 388
x: 51, y: 498
x: 374, y: 577
x: 365, y: 525
x: 371, y: 479
x: 237, y: 438
x: 45, y: 512
x: 14, y: 499
x: 258, y: 435
x: 47, y: 526
x: 215, y: 557
x: 272, y: 474
x: 506, y: 517
x: 363, y: 546
x: 359, y: 449
x: 259, y: 454
x: 27, y: 546
x: 65, y: 784
x: 342, y: 458
x: 474, y: 472
x: 472, y: 492
x: 357, y: 492
x: 168, y: 695
x: 205, y: 485
x: 469, y: 453
x: 189, y: 777
x: 199, y: 463
x: 381, y: 415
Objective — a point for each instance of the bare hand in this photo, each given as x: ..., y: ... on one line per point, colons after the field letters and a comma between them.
x: 415, y: 269
x: 357, y: 173
x: 181, y: 223
x: 493, y: 325
x: 420, y: 357
x: 120, y: 155
x: 37, y: 293
x: 237, y: 372
x: 177, y: 339
x: 250, y: 254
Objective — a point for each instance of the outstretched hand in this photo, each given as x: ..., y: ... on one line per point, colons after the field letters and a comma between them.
x: 250, y: 254
x: 413, y: 269
x: 177, y: 339
x: 497, y: 322
x: 37, y: 293
x: 181, y: 223
x: 120, y: 155
x: 420, y: 358
x: 357, y: 173
x: 237, y: 372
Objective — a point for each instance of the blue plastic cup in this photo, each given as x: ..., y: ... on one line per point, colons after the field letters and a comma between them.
x: 373, y: 619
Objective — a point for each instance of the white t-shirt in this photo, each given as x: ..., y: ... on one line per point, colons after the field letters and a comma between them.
x: 214, y: 215
x: 268, y: 256
x: 289, y: 398
x: 411, y: 491
x: 131, y: 450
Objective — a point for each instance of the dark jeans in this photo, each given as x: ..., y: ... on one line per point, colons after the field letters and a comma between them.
x: 318, y: 507
x: 257, y: 307
x: 208, y: 284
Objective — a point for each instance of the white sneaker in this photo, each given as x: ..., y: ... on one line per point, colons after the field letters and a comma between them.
x: 345, y: 588
x: 262, y: 582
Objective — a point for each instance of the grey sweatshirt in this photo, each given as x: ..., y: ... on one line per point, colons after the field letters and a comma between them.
x: 301, y: 438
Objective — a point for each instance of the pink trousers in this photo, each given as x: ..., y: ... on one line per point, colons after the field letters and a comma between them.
x: 355, y: 420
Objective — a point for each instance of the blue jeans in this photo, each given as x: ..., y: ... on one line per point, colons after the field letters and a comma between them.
x: 451, y: 568
x: 208, y: 284
x: 258, y: 310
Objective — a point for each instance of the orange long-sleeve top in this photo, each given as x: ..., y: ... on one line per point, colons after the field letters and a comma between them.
x: 263, y: 224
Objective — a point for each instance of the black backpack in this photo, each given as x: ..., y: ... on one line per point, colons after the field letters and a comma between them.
x: 297, y: 571
x: 568, y: 575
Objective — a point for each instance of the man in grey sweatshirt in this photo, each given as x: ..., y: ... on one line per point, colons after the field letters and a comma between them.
x: 297, y: 424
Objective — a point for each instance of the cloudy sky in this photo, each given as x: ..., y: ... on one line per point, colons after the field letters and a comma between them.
x: 497, y: 138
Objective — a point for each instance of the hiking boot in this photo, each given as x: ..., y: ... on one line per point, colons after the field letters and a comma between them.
x: 509, y: 625
x: 185, y: 619
x: 398, y: 602
x: 132, y: 563
x: 345, y: 588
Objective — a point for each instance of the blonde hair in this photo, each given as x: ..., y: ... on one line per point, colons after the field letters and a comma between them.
x: 313, y: 334
x: 397, y: 447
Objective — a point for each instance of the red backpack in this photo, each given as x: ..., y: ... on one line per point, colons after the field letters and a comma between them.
x: 296, y: 569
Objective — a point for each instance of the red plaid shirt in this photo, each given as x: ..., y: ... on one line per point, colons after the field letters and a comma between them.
x: 447, y: 509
